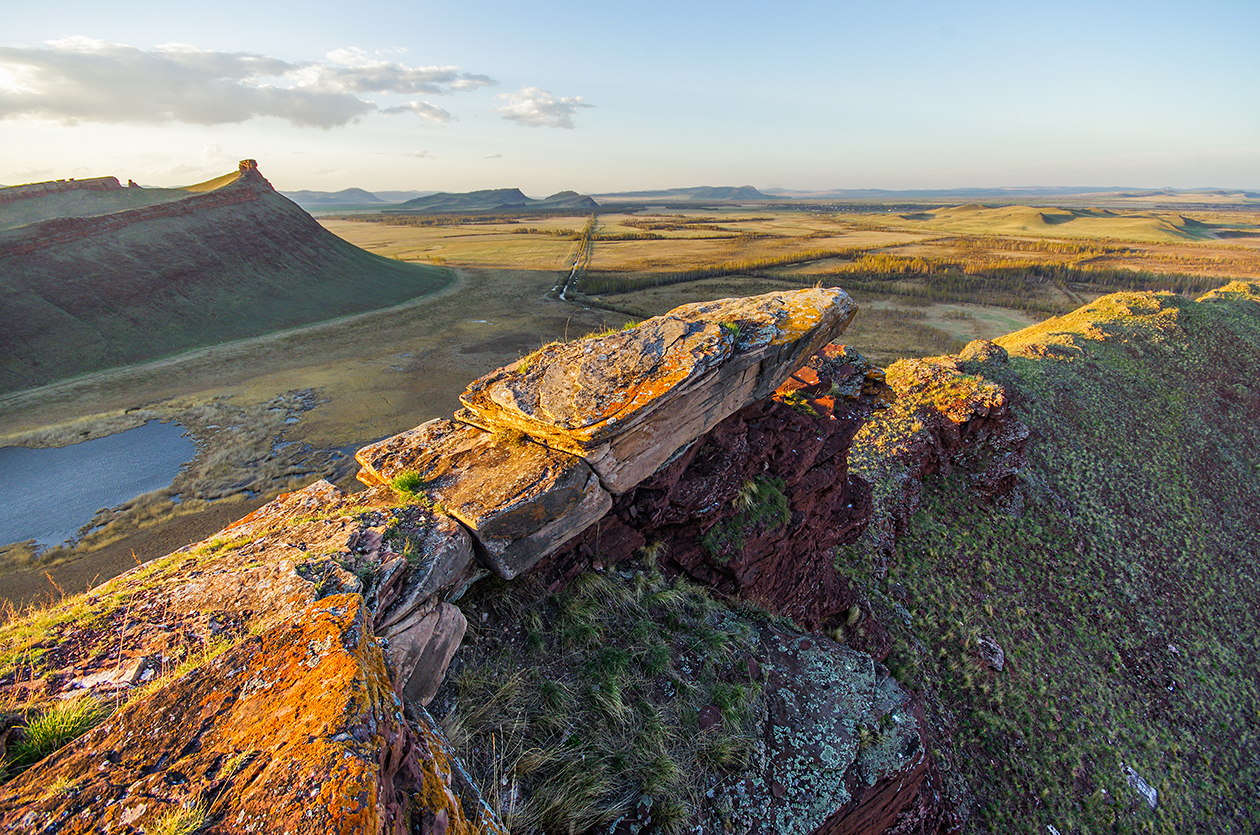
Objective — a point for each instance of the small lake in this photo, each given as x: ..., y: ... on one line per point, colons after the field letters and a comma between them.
x: 48, y: 494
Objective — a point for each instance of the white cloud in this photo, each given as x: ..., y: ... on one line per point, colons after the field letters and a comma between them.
x: 493, y: 156
x: 423, y: 109
x: 82, y: 79
x: 26, y: 175
x: 537, y: 108
x: 421, y: 154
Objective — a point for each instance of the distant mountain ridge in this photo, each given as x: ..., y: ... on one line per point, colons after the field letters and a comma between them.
x: 699, y: 193
x: 349, y: 197
x: 345, y: 197
x: 1009, y: 193
x: 496, y: 199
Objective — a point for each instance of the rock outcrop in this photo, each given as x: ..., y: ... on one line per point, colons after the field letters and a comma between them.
x: 713, y: 440
x: 940, y: 418
x: 514, y: 466
x: 295, y: 730
x: 627, y: 402
x: 757, y: 505
x: 12, y: 194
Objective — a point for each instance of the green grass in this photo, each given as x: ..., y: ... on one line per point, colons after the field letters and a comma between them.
x: 1123, y: 592
x: 182, y: 821
x: 761, y: 505
x: 52, y: 729
x: 576, y: 709
x: 410, y: 487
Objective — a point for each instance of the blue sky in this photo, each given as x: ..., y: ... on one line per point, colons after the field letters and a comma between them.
x: 599, y: 97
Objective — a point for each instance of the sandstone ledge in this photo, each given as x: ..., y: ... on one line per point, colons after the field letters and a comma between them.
x: 520, y: 499
x: 627, y: 401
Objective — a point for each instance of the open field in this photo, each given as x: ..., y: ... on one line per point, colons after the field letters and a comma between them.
x: 371, y: 375
x: 1043, y: 261
x: 974, y: 219
x: 922, y: 292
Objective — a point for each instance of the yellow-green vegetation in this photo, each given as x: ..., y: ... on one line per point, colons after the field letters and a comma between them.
x: 575, y: 709
x: 1122, y: 592
x: 1162, y: 227
x: 184, y: 820
x: 53, y: 727
x: 410, y: 487
x: 760, y: 505
x: 509, y: 436
x: 210, y: 649
x: 28, y: 636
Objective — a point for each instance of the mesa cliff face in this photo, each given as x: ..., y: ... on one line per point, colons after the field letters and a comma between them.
x: 94, y: 275
x: 712, y: 443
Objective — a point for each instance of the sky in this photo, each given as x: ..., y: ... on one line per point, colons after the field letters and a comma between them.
x: 600, y: 97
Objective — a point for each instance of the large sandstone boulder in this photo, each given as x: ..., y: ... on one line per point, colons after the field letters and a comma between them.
x: 520, y: 499
x: 757, y: 505
x: 626, y: 402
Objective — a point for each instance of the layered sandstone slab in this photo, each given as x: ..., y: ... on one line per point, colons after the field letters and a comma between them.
x: 520, y: 499
x: 626, y: 402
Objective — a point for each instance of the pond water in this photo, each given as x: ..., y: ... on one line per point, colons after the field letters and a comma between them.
x: 48, y: 494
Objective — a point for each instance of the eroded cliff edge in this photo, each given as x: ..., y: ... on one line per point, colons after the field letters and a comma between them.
x: 710, y: 443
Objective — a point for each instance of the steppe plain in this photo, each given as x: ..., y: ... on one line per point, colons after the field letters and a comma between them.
x: 928, y: 280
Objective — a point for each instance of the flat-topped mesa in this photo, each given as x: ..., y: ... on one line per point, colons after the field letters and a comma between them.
x: 626, y: 402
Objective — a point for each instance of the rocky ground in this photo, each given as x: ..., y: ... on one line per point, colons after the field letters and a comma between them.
x: 953, y: 596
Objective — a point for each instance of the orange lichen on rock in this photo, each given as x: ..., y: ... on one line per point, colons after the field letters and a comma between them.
x: 297, y: 730
x: 520, y: 499
x: 625, y: 402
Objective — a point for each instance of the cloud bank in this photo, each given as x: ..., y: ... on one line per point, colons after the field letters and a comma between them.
x: 536, y: 108
x: 81, y: 79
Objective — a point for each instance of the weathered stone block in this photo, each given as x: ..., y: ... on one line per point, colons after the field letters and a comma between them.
x: 625, y: 402
x: 421, y: 646
x: 440, y: 558
x: 520, y: 499
x: 294, y: 730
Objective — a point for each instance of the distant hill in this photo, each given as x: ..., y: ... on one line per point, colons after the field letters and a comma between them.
x: 95, y: 275
x: 698, y: 193
x: 974, y: 218
x: 345, y: 197
x: 496, y: 199
x: 1090, y: 194
x: 401, y: 196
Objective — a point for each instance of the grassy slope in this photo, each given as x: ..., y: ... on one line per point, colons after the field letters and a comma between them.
x: 1059, y: 222
x: 81, y: 204
x: 1124, y: 593
x: 162, y: 286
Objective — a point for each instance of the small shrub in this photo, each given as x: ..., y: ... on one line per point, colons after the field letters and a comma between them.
x: 410, y: 487
x: 60, y: 724
x: 183, y: 821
